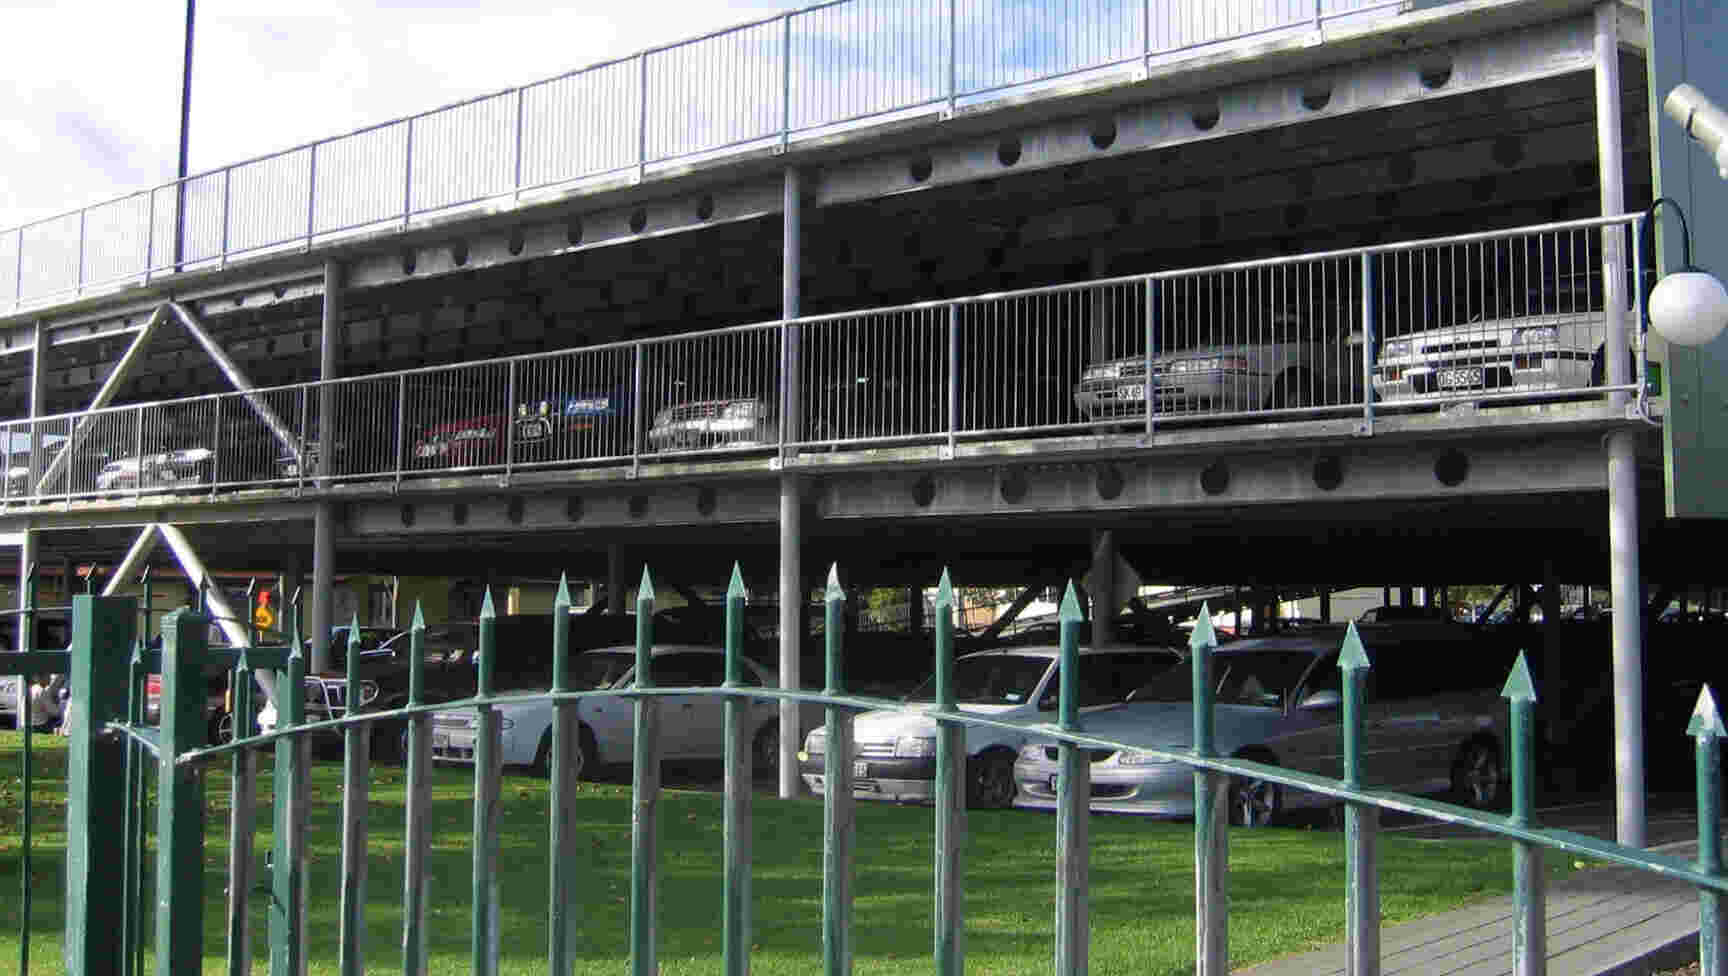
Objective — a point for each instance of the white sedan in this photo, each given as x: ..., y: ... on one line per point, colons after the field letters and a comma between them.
x: 691, y: 726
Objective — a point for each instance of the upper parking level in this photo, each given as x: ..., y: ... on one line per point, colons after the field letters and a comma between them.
x: 793, y: 81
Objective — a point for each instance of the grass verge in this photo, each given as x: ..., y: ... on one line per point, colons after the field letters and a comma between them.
x: 1286, y: 885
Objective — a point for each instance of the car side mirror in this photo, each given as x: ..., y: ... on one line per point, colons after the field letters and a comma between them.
x: 1320, y: 700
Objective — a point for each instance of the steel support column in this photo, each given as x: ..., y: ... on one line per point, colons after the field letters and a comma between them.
x: 1623, y: 570
x: 110, y: 386
x: 322, y: 616
x: 792, y: 594
x: 1103, y: 579
x: 323, y: 584
x: 614, y: 580
x: 27, y: 539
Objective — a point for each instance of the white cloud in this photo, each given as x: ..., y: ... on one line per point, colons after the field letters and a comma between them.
x: 90, y: 109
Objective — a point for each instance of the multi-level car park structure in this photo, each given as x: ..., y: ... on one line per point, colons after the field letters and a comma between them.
x: 1246, y: 291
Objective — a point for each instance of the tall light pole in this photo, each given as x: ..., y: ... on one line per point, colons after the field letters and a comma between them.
x: 185, y: 119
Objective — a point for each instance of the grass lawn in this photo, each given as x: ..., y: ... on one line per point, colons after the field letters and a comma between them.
x: 1287, y: 885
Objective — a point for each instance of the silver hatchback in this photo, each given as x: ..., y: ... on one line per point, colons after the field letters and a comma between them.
x: 1279, y: 702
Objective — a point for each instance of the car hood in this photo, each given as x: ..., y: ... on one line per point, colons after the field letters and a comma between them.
x: 917, y: 720
x: 1482, y: 329
x: 1170, y: 725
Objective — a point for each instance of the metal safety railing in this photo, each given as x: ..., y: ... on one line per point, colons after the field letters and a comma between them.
x: 761, y: 84
x: 181, y: 837
x: 1509, y: 315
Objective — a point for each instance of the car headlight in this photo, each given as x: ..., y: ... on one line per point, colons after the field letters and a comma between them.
x: 1394, y: 350
x: 914, y: 747
x: 1540, y: 335
x: 521, y: 409
x: 663, y: 417
x: 506, y: 723
x: 191, y: 454
x: 740, y: 410
x: 1032, y: 751
x: 545, y: 408
x: 816, y: 743
x: 1109, y: 371
x: 1210, y: 364
x: 1134, y: 757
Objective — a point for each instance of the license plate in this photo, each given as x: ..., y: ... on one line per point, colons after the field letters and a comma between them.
x: 1452, y: 379
x: 440, y: 740
x: 1136, y: 392
x: 533, y: 430
x: 861, y: 770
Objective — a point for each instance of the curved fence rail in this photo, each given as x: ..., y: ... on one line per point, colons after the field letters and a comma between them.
x: 765, y: 83
x: 1519, y: 315
x: 103, y: 628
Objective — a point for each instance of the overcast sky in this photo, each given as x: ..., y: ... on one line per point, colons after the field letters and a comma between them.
x: 90, y: 105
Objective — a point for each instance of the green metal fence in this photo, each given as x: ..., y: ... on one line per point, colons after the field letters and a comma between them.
x: 104, y: 659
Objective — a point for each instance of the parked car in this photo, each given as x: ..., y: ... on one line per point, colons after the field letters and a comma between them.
x: 52, y: 632
x: 1549, y: 339
x: 745, y: 420
x: 475, y: 441
x: 1279, y: 702
x: 1300, y: 365
x: 18, y: 461
x: 894, y: 754
x: 574, y: 425
x: 691, y: 727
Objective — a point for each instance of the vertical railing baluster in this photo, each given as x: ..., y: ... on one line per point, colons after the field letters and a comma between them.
x: 1706, y: 729
x: 638, y: 425
x: 416, y: 837
x: 1361, y: 825
x: 785, y: 80
x: 950, y: 914
x: 953, y: 376
x: 642, y: 118
x: 953, y: 56
x: 408, y: 172
x: 401, y: 425
x: 1073, y: 803
x: 740, y: 771
x: 356, y: 783
x: 1369, y: 325
x: 645, y: 797
x: 180, y: 797
x: 566, y: 743
x: 1211, y: 817
x: 242, y: 817
x: 1150, y: 347
x: 293, y: 758
x: 1529, y: 921
x: 484, y: 943
x: 839, y: 828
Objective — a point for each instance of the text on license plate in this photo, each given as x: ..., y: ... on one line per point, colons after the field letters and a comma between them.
x: 440, y: 740
x: 1135, y: 392
x: 1451, y: 379
x: 861, y: 770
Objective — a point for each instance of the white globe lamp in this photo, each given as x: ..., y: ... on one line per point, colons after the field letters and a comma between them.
x: 1688, y: 308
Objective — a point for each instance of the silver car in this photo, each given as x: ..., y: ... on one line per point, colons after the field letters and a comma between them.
x: 1287, y: 365
x: 1279, y: 702
x: 732, y: 422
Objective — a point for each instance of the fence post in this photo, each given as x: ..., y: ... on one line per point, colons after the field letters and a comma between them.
x: 1361, y: 825
x: 180, y: 797
x: 838, y: 804
x: 645, y: 798
x: 356, y: 780
x: 950, y: 915
x: 1211, y: 818
x: 560, y: 921
x: 293, y: 757
x: 1073, y: 804
x: 1368, y: 327
x: 487, y: 755
x: 96, y: 855
x: 242, y: 813
x: 1529, y: 921
x: 1706, y: 728
x: 740, y: 770
x: 419, y: 790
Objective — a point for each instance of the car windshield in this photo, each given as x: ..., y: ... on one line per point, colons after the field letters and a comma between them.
x: 1258, y: 678
x: 600, y: 669
x: 993, y: 679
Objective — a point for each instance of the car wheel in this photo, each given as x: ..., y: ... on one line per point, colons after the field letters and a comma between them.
x: 1476, y: 774
x: 1254, y: 802
x: 543, y: 755
x: 223, y: 730
x: 990, y: 781
x: 765, y: 751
